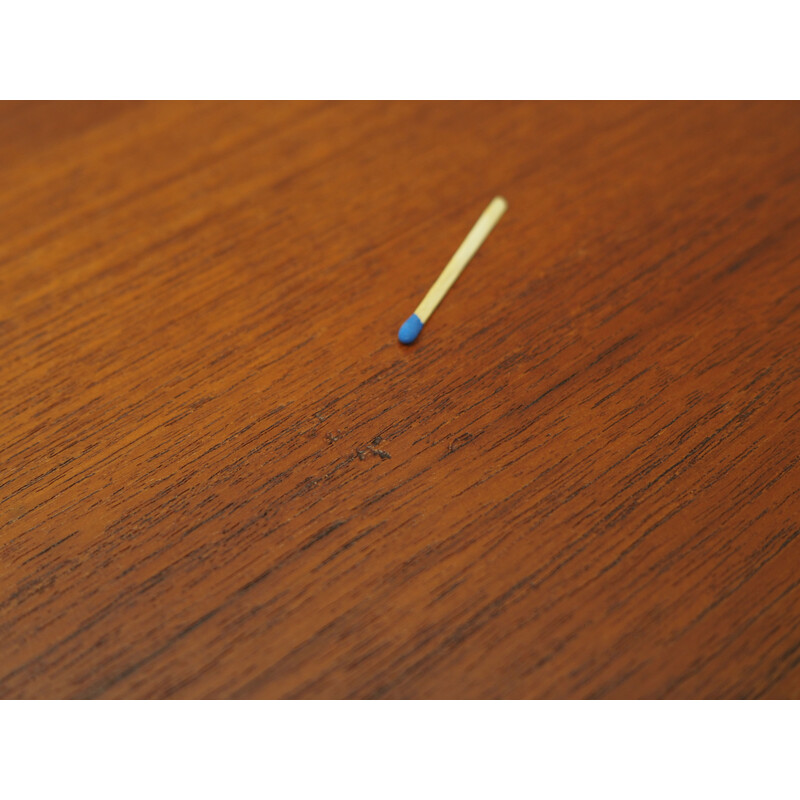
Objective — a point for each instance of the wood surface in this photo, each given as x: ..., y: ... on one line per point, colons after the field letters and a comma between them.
x: 222, y: 476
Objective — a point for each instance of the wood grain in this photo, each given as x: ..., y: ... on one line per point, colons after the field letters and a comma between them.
x: 223, y: 477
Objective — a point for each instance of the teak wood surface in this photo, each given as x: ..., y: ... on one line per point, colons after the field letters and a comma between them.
x: 222, y: 476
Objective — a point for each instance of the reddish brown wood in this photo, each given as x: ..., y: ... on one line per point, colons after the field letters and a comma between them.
x: 221, y: 476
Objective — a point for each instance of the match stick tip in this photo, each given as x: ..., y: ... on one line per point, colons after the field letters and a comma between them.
x: 410, y: 329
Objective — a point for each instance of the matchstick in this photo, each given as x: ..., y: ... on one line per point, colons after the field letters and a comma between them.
x: 410, y: 329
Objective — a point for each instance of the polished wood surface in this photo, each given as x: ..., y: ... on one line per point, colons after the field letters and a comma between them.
x: 222, y: 476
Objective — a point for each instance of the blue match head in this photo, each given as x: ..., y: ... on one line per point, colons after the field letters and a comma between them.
x: 410, y: 329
